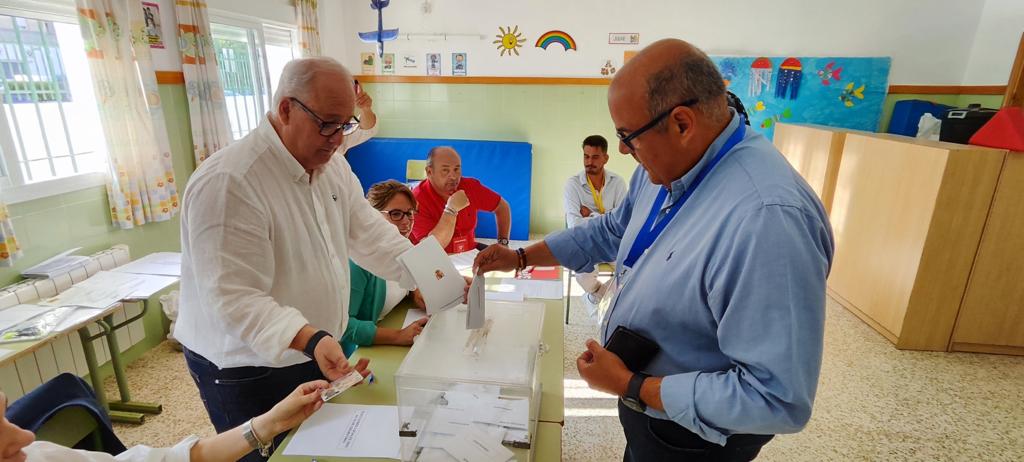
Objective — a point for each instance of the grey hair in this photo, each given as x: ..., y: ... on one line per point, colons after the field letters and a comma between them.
x: 297, y: 78
x: 434, y: 150
x: 692, y: 76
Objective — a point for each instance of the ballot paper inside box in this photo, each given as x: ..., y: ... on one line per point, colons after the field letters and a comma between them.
x: 446, y: 389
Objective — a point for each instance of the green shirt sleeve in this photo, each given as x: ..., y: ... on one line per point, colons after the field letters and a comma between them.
x: 365, y: 304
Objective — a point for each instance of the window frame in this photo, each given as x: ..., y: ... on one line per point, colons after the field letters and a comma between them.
x: 12, y: 183
x: 258, y: 25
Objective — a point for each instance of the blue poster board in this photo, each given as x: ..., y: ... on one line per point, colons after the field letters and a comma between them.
x: 832, y: 91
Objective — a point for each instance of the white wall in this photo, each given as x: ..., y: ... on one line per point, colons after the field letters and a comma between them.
x: 995, y: 45
x: 930, y: 41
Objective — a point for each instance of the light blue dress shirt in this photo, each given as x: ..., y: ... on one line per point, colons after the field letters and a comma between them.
x: 733, y: 290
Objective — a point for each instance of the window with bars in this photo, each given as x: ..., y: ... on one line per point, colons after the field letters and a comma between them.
x: 49, y: 126
x: 250, y: 58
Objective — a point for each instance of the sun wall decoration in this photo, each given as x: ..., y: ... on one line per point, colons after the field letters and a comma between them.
x: 509, y: 41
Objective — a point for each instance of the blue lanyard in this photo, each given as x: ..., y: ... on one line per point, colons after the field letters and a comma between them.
x: 650, y: 231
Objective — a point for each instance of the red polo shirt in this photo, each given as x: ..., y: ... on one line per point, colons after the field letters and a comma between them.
x: 431, y: 206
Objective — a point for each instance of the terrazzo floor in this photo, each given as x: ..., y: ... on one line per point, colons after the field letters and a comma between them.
x: 874, y: 403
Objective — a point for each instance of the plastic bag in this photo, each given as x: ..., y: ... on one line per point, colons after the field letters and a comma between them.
x: 929, y: 127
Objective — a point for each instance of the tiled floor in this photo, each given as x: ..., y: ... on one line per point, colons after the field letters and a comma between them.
x: 874, y: 403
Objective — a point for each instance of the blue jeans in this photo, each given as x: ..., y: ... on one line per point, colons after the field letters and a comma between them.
x: 234, y: 395
x: 650, y: 439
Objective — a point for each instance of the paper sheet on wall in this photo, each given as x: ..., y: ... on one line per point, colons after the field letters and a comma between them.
x: 548, y: 290
x: 348, y: 430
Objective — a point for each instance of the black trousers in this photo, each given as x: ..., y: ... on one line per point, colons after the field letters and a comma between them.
x: 649, y: 439
x: 234, y: 395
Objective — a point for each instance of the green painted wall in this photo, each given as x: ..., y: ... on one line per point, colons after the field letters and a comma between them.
x: 53, y: 224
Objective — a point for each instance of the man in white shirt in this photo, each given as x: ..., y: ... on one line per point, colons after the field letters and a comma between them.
x: 588, y: 194
x: 268, y: 225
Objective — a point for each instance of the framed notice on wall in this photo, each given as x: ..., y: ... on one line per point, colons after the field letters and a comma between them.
x: 624, y: 38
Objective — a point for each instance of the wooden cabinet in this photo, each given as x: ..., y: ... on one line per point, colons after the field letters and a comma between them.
x: 908, y: 216
x: 815, y: 151
x: 992, y: 315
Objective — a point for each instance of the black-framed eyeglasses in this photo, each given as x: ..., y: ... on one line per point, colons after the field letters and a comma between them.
x: 628, y: 139
x: 397, y: 215
x: 328, y: 129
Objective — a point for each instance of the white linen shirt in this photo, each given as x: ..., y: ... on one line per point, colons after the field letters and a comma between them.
x: 42, y: 451
x: 265, y: 251
x: 577, y: 193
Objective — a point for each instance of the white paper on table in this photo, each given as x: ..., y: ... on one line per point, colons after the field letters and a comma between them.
x: 159, y: 263
x: 149, y: 285
x: 413, y: 315
x: 549, y: 290
x: 477, y: 446
x: 464, y: 260
x: 348, y: 430
x: 80, y: 315
x: 505, y: 296
x: 477, y: 306
x: 5, y: 352
x: 99, y: 291
x: 440, y: 284
x: 10, y: 317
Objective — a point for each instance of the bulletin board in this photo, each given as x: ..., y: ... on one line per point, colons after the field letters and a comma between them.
x: 832, y: 91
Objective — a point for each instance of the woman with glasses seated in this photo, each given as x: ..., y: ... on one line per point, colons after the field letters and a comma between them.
x: 19, y: 445
x: 373, y: 298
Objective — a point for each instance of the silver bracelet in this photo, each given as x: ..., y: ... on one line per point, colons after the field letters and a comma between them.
x: 249, y: 433
x: 450, y: 211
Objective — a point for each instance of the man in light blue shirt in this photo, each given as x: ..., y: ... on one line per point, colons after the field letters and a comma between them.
x: 732, y: 288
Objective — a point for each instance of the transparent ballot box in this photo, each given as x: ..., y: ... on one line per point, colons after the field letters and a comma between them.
x: 459, y: 383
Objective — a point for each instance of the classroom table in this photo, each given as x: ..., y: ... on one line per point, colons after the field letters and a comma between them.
x: 123, y: 410
x: 385, y: 360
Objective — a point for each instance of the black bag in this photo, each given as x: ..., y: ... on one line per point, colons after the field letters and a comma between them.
x: 958, y: 125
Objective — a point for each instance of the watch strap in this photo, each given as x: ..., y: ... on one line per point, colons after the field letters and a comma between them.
x: 313, y: 341
x: 633, y: 389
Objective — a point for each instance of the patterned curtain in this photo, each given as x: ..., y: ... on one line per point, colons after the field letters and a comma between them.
x: 141, y: 188
x: 309, y: 27
x: 207, y: 110
x: 9, y: 248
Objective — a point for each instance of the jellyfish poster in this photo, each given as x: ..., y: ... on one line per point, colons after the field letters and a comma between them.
x: 832, y: 91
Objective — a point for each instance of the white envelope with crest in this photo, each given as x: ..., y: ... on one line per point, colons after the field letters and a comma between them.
x: 434, y: 274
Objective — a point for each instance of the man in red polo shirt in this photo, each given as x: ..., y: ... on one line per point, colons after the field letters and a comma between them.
x: 448, y: 203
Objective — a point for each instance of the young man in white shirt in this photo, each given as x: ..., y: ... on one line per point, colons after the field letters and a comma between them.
x: 268, y: 225
x: 588, y: 194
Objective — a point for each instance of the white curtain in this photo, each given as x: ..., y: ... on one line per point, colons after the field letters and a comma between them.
x: 141, y: 188
x: 207, y: 110
x: 308, y: 21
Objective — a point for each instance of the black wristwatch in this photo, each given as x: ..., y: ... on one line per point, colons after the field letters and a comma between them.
x: 632, y: 397
x: 503, y: 241
x: 311, y: 344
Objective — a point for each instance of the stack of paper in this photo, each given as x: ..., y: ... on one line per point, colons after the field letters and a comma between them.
x: 159, y: 264
x: 99, y: 291
x: 60, y: 264
x: 473, y: 423
x: 549, y: 290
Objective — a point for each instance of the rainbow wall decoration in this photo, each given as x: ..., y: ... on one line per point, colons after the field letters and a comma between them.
x: 556, y: 36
